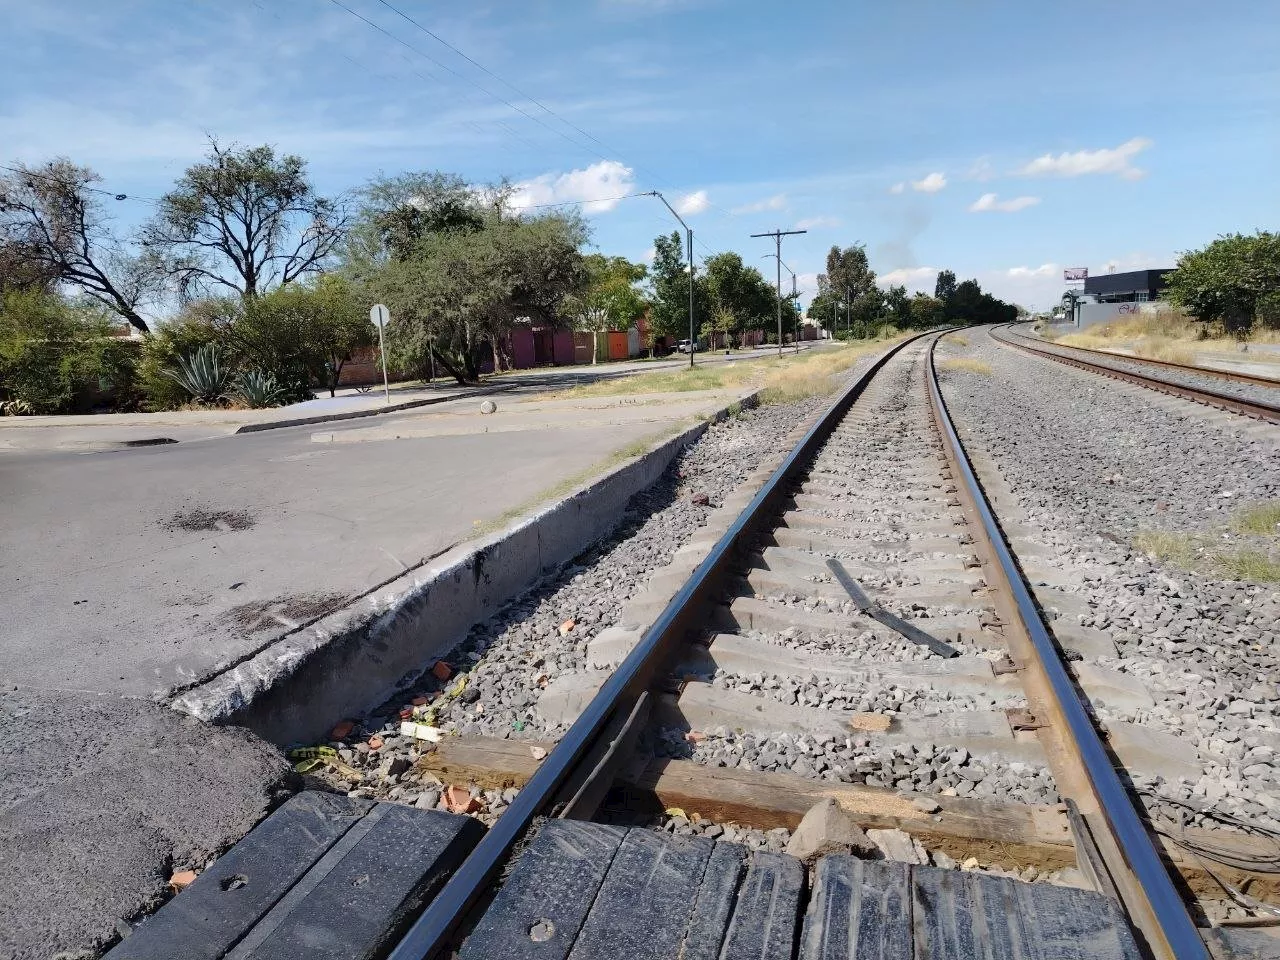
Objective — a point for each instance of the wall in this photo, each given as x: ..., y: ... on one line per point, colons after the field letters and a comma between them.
x: 1092, y: 314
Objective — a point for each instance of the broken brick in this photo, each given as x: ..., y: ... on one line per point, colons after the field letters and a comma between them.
x: 567, y: 626
x: 693, y: 736
x: 442, y: 670
x: 375, y: 742
x: 701, y: 500
x: 342, y: 730
x: 182, y: 879
x: 419, y: 701
x: 460, y: 800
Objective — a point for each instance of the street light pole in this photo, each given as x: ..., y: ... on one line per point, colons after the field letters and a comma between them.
x: 794, y: 296
x: 689, y: 238
x: 777, y: 238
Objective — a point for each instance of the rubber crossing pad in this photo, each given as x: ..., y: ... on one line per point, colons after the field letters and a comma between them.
x: 325, y: 876
x: 583, y: 891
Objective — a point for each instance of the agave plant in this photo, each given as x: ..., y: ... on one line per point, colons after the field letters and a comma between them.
x: 202, y: 374
x: 258, y: 388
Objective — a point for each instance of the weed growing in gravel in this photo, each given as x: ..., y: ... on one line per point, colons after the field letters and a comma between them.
x: 959, y: 339
x: 1199, y: 555
x: 1262, y: 519
x: 968, y: 364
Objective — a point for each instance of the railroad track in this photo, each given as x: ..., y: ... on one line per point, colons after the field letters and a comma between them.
x: 1257, y: 397
x: 855, y: 627
x: 859, y: 621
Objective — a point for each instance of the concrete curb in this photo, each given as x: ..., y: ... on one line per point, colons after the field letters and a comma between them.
x: 295, y: 689
x: 354, y: 414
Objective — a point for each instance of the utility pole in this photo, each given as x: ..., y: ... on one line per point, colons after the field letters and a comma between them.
x: 693, y: 342
x: 777, y: 240
x: 848, y: 311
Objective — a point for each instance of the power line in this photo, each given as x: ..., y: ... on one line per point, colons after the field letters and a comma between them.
x: 21, y: 171
x: 485, y: 90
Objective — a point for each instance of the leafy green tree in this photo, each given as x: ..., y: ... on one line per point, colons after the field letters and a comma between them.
x: 53, y: 224
x: 458, y: 290
x: 52, y: 349
x: 302, y: 334
x: 669, y: 290
x: 1232, y: 281
x: 944, y: 288
x: 898, y: 307
x: 244, y: 220
x: 608, y: 299
x: 965, y: 303
x: 847, y: 289
x: 739, y: 297
x: 927, y: 312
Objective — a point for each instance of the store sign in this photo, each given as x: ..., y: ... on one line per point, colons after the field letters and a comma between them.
x: 1075, y: 274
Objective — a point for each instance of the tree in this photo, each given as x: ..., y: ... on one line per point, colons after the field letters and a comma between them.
x: 848, y: 288
x: 51, y: 348
x: 244, y: 220
x: 669, y: 290
x: 739, y: 298
x: 927, y: 312
x: 1231, y: 281
x: 303, y: 333
x: 965, y: 302
x: 52, y: 220
x: 22, y: 269
x: 608, y: 299
x: 945, y: 286
x: 397, y: 212
x: 898, y: 305
x: 458, y: 290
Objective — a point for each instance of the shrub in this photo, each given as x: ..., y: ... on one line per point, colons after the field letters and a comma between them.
x: 258, y: 388
x: 203, y: 374
x: 161, y: 352
x: 53, y: 351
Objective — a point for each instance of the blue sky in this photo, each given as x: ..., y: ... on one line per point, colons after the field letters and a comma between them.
x: 1002, y: 140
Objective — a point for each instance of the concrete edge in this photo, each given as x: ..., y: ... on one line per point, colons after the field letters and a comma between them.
x: 298, y: 687
x: 352, y: 414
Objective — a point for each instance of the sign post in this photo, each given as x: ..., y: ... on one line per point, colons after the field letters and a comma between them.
x: 380, y: 316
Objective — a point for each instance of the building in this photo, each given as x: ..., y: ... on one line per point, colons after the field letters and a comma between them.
x: 1138, y: 286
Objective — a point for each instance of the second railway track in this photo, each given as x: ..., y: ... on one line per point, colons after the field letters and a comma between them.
x: 1257, y: 397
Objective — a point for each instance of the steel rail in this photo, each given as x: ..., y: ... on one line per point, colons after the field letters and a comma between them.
x: 1251, y: 408
x: 432, y: 932
x: 1232, y: 375
x: 1172, y: 921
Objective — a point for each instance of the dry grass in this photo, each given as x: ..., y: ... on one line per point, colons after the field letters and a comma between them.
x: 1168, y: 335
x: 1262, y: 519
x: 959, y: 339
x: 967, y: 364
x: 1201, y: 555
x: 790, y: 377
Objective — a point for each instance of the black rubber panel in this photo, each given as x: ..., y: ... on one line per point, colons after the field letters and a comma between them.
x: 642, y: 909
x: 222, y: 905
x: 766, y: 918
x: 324, y: 877
x: 975, y: 916
x: 859, y: 910
x: 540, y: 909
x: 713, y: 907
x: 361, y: 896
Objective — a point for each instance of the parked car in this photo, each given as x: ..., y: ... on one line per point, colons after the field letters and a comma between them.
x: 687, y: 346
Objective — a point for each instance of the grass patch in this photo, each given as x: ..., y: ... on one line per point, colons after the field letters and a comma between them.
x: 968, y: 364
x: 1200, y: 555
x: 1262, y: 520
x: 959, y: 339
x: 793, y: 376
x: 1168, y: 335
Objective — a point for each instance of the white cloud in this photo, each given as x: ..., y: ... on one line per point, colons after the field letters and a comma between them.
x: 1083, y: 162
x: 1044, y: 270
x: 693, y: 203
x: 777, y: 202
x: 981, y: 170
x: 606, y: 179
x: 649, y: 254
x: 989, y: 201
x: 898, y: 188
x: 817, y: 223
x: 915, y: 279
x: 930, y: 184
